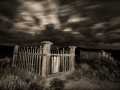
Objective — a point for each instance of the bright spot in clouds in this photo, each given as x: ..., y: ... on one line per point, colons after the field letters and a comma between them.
x: 98, y: 25
x: 75, y: 32
x: 33, y: 6
x: 38, y: 10
x: 67, y: 29
x: 75, y: 18
x: 70, y: 30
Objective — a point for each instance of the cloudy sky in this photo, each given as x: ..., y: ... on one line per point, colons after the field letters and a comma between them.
x: 83, y: 23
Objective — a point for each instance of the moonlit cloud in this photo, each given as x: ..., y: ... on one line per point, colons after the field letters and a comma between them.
x: 37, y: 9
x: 74, y: 19
x: 75, y: 32
x: 53, y: 19
x: 99, y: 34
x: 67, y: 29
x: 33, y: 6
x: 98, y: 25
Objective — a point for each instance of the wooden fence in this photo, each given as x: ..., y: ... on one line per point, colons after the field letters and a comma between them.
x: 94, y: 55
x: 44, y: 61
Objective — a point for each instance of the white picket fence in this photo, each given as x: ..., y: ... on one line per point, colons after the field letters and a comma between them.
x: 44, y: 61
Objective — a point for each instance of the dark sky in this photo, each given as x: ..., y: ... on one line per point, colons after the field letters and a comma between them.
x: 84, y: 23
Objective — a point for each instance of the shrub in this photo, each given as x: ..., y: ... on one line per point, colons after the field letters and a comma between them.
x: 12, y: 83
x: 5, y: 62
x: 17, y: 79
x: 104, y: 69
x: 108, y: 69
x: 34, y: 86
x: 57, y: 84
x: 76, y: 75
x: 84, y: 70
x: 16, y: 83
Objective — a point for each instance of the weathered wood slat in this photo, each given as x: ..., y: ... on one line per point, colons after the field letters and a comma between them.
x: 37, y: 62
x: 32, y: 59
x: 63, y: 60
x: 40, y: 57
x: 29, y: 66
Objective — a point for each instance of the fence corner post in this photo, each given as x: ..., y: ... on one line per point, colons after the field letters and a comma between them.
x: 15, y: 54
x: 72, y: 52
x: 46, y: 59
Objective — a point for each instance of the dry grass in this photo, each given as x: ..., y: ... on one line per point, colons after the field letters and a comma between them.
x: 12, y: 78
x: 89, y: 75
x: 11, y: 82
x: 94, y: 75
x: 83, y: 84
x: 91, y: 84
x: 18, y: 81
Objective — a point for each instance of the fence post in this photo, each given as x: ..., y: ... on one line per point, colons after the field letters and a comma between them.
x: 46, y: 58
x: 15, y: 54
x: 72, y: 52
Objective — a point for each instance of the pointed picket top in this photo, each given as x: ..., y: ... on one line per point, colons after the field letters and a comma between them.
x: 30, y: 49
x: 63, y: 51
x: 24, y: 50
x: 58, y: 51
x: 40, y: 47
x: 38, y: 50
x: 27, y: 50
x: 35, y: 49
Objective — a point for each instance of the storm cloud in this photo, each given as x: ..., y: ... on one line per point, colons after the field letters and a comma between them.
x: 88, y: 24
